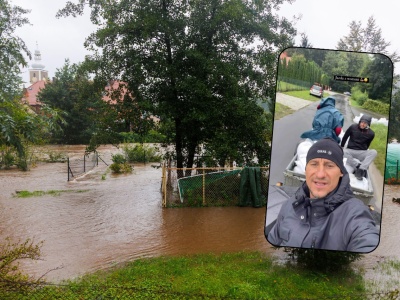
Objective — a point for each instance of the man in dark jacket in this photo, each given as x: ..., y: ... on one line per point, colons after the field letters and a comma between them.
x: 361, y: 137
x: 324, y: 213
x: 328, y: 121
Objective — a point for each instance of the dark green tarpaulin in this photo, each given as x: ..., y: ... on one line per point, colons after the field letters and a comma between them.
x: 250, y: 187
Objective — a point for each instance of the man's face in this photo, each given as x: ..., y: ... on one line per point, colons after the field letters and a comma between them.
x: 322, y: 177
x: 363, y: 125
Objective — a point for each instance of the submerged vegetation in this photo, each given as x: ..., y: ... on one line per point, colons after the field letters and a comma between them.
x: 28, y: 194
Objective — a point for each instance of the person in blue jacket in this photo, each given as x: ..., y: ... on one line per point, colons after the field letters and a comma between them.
x: 328, y: 121
x: 324, y: 213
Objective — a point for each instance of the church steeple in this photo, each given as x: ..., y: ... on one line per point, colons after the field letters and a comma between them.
x: 37, y: 71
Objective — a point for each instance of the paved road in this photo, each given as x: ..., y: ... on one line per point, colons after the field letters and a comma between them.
x: 287, y: 131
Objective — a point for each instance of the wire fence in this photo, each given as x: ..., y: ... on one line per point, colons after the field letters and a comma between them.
x: 79, y: 166
x: 392, y: 173
x: 214, y: 186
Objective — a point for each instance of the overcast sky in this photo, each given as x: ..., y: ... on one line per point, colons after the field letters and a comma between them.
x: 324, y: 22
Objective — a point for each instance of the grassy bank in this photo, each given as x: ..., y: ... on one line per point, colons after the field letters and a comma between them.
x: 305, y: 94
x: 379, y: 143
x: 227, y: 276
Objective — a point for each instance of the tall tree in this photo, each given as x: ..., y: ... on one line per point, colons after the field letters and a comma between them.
x: 188, y: 61
x: 73, y: 93
x: 366, y: 39
x: 19, y: 126
x: 12, y: 49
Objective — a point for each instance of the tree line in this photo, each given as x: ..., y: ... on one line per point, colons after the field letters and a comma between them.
x: 194, y: 72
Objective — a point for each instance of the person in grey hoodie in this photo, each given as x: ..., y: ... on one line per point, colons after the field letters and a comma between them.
x: 324, y: 213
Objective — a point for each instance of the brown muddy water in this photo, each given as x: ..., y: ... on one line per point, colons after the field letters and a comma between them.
x: 100, y: 223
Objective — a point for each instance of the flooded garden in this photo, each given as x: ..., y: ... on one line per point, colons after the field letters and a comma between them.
x: 100, y: 219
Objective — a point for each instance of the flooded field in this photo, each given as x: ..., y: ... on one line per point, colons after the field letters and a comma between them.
x: 101, y: 219
x: 99, y: 223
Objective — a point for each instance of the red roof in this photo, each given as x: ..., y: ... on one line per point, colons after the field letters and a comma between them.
x: 31, y: 92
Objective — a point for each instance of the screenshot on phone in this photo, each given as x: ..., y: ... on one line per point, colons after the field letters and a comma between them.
x: 328, y: 151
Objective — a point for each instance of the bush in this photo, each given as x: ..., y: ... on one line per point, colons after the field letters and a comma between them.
x: 322, y: 260
x: 377, y: 106
x: 11, y: 278
x: 118, y: 158
x: 359, y: 96
x: 7, y: 159
x: 121, y: 168
x: 152, y: 136
x: 141, y: 153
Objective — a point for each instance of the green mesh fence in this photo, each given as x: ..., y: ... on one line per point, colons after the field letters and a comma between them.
x: 193, y: 188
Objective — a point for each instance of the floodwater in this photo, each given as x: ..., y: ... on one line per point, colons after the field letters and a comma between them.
x: 100, y: 223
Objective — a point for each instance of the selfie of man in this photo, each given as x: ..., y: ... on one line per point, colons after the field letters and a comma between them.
x: 324, y: 213
x: 327, y: 196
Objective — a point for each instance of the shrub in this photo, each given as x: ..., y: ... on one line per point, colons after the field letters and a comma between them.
x: 7, y: 159
x: 121, y: 168
x: 359, y: 96
x: 141, y: 153
x: 377, y: 106
x: 118, y: 158
x: 322, y: 260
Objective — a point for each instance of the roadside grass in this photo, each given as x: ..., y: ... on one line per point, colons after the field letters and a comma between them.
x: 28, y: 194
x: 281, y: 111
x: 354, y: 103
x: 305, y: 94
x: 379, y: 143
x: 242, y: 275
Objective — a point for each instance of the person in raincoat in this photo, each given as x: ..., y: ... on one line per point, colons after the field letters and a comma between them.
x: 328, y: 122
x: 324, y: 213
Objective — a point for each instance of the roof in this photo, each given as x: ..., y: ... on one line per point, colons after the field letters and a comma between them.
x: 31, y: 92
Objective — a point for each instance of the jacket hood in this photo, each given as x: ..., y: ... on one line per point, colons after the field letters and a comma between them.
x: 342, y: 193
x: 328, y: 101
x: 366, y: 118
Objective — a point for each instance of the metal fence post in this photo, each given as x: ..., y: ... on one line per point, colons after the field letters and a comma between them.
x: 204, y: 186
x: 68, y: 167
x: 397, y: 170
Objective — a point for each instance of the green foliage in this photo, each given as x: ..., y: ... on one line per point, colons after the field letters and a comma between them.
x: 152, y: 136
x: 358, y: 95
x: 76, y: 98
x: 322, y: 261
x: 28, y: 194
x: 243, y: 275
x: 205, y: 66
x: 377, y: 106
x: 7, y: 157
x: 141, y: 153
x: 394, y: 117
x: 121, y: 167
x: 118, y: 158
x: 379, y: 143
x: 11, y: 277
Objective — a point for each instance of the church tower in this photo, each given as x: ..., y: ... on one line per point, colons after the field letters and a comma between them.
x: 37, y: 72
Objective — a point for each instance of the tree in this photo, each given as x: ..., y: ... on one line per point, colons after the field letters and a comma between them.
x: 12, y: 49
x: 187, y: 61
x: 368, y: 39
x: 73, y: 93
x: 19, y: 126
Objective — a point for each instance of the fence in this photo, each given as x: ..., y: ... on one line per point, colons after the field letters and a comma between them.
x: 210, y: 186
x: 77, y: 167
x: 392, y: 172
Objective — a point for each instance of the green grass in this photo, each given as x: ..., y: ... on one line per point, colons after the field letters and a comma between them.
x: 305, y: 94
x: 379, y: 143
x: 28, y: 194
x: 281, y: 111
x: 244, y: 275
x: 354, y: 103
